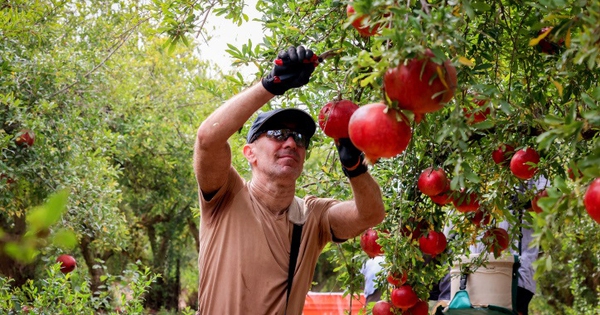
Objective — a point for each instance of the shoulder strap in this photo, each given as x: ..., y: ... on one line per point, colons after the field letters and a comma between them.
x: 296, y: 235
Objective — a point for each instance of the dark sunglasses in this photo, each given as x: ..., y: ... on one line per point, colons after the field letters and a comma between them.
x: 281, y: 135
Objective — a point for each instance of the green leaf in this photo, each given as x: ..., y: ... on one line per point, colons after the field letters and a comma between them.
x: 65, y: 238
x: 45, y: 215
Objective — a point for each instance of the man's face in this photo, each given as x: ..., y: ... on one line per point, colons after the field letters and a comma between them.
x: 278, y: 153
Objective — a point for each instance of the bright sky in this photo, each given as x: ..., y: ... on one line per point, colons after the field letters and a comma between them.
x: 225, y: 32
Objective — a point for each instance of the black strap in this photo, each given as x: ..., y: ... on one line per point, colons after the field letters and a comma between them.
x: 296, y: 235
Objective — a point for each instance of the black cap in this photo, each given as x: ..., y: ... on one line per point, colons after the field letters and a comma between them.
x: 282, y: 118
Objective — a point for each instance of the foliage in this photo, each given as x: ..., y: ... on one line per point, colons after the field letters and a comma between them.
x: 71, y: 293
x: 544, y: 100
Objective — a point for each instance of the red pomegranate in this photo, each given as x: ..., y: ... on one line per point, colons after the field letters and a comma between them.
x: 368, y: 243
x: 481, y: 218
x: 475, y: 114
x: 416, y: 84
x: 591, y: 200
x: 443, y: 198
x: 67, y: 263
x: 433, y: 243
x: 25, y: 138
x: 404, y: 297
x: 397, y: 279
x: 572, y: 174
x: 503, y: 153
x: 524, y: 163
x: 335, y: 116
x: 357, y: 23
x: 433, y: 182
x: 466, y: 202
x: 383, y: 308
x: 379, y: 131
x: 414, y: 230
x: 496, y: 239
x: 534, y: 202
x: 421, y: 308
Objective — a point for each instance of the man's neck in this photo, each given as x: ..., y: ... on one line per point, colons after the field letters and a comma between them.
x: 276, y: 196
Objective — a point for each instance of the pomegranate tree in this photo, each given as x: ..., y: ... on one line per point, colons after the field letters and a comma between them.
x: 404, y: 297
x: 417, y: 86
x: 591, y: 200
x: 379, y: 131
x: 433, y: 182
x: 524, y: 162
x: 334, y: 118
x: 368, y: 243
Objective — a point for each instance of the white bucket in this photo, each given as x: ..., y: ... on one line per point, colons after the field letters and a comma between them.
x: 490, y: 284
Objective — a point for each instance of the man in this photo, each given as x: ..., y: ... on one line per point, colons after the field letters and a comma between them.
x: 246, y: 226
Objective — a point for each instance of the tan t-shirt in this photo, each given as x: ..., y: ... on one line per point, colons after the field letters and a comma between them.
x: 245, y: 252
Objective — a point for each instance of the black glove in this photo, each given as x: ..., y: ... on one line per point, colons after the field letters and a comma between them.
x: 350, y: 157
x: 292, y: 69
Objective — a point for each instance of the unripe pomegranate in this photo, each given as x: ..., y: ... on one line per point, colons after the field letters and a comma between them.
x: 416, y: 84
x: 334, y: 118
x: 404, y: 297
x: 591, y: 200
x: 379, y: 131
x: 524, y: 163
x: 433, y: 182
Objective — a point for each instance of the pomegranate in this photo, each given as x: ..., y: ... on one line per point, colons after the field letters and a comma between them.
x: 397, y: 279
x: 417, y: 86
x: 379, y: 131
x: 433, y: 243
x: 357, y: 23
x: 477, y: 114
x: 591, y: 200
x: 25, y: 138
x: 496, y: 239
x: 383, y: 308
x: 335, y: 116
x: 368, y: 243
x: 466, y: 202
x: 443, y: 198
x: 421, y: 308
x: 503, y: 153
x: 417, y: 231
x: 433, y: 182
x: 534, y: 202
x: 546, y: 44
x: 481, y: 218
x: 572, y: 174
x: 404, y: 297
x: 524, y: 163
x: 67, y: 263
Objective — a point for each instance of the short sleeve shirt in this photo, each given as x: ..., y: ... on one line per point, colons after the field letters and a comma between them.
x: 245, y: 250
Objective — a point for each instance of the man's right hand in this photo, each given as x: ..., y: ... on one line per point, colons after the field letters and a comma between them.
x: 293, y: 68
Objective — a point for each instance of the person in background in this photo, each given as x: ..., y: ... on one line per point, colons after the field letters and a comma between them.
x: 370, y: 270
x: 246, y: 226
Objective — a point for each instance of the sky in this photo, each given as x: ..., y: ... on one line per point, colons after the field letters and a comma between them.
x: 225, y: 32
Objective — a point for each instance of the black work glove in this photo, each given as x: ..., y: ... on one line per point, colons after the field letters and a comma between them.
x: 350, y: 157
x: 293, y: 68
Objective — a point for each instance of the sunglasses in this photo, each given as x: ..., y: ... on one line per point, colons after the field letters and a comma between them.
x: 281, y: 135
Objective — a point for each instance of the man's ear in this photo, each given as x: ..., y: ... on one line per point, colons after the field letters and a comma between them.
x: 248, y: 151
